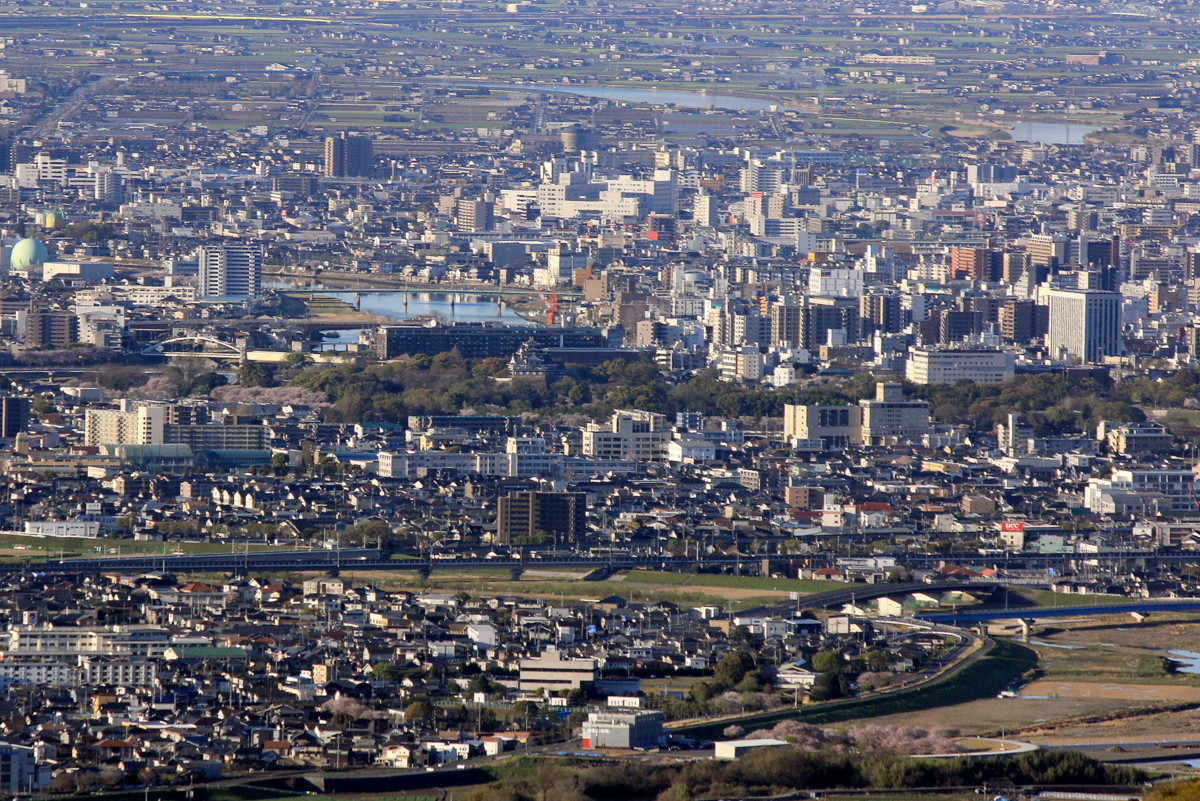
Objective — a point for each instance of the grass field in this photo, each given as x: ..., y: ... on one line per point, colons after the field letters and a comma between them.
x: 741, y: 582
x: 1048, y: 598
x: 732, y: 592
x: 18, y: 547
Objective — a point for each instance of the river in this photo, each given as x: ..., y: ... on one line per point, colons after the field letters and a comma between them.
x: 1052, y: 133
x: 420, y: 304
x: 657, y: 97
x: 402, y: 306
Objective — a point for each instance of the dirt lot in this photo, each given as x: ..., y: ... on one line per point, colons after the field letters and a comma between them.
x: 1147, y: 728
x: 1128, y: 693
x: 1121, y: 652
x: 1096, y: 667
x: 1001, y: 714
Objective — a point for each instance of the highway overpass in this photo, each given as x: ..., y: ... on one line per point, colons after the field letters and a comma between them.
x: 358, y: 559
x: 969, y: 616
x: 869, y: 592
x: 371, y: 559
x: 334, y: 560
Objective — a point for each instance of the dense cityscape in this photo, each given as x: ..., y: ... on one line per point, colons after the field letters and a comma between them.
x: 561, y: 399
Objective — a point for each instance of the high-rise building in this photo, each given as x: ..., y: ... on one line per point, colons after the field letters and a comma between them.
x: 1047, y: 250
x: 142, y: 425
x: 1085, y: 324
x: 1018, y: 320
x: 560, y: 516
x: 50, y: 328
x: 881, y: 313
x: 14, y: 415
x: 474, y: 214
x: 825, y: 314
x: 758, y: 176
x: 950, y: 365
x: 980, y: 264
x: 787, y: 322
x: 950, y: 326
x: 109, y: 187
x: 216, y: 437
x: 348, y: 156
x: 705, y: 211
x: 1014, y: 264
x: 230, y: 271
x: 20, y: 772
x: 991, y: 173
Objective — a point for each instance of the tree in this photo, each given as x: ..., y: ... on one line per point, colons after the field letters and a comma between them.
x: 750, y: 683
x: 877, y: 660
x: 368, y: 533
x: 525, y: 710
x: 418, y: 712
x: 872, y: 680
x: 255, y: 374
x: 732, y: 668
x: 1176, y: 791
x: 480, y: 684
x: 827, y: 687
x: 121, y: 377
x: 386, y: 671
x: 828, y: 662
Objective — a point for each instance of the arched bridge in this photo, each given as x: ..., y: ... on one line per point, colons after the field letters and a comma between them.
x: 201, y: 345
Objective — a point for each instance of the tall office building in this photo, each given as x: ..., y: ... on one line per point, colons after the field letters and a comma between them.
x: 348, y: 156
x: 1085, y: 324
x: 230, y: 271
x: 14, y: 415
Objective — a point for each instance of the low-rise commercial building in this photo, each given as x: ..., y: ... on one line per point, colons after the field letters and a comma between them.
x: 623, y: 729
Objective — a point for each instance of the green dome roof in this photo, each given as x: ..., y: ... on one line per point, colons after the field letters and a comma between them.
x: 27, y: 253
